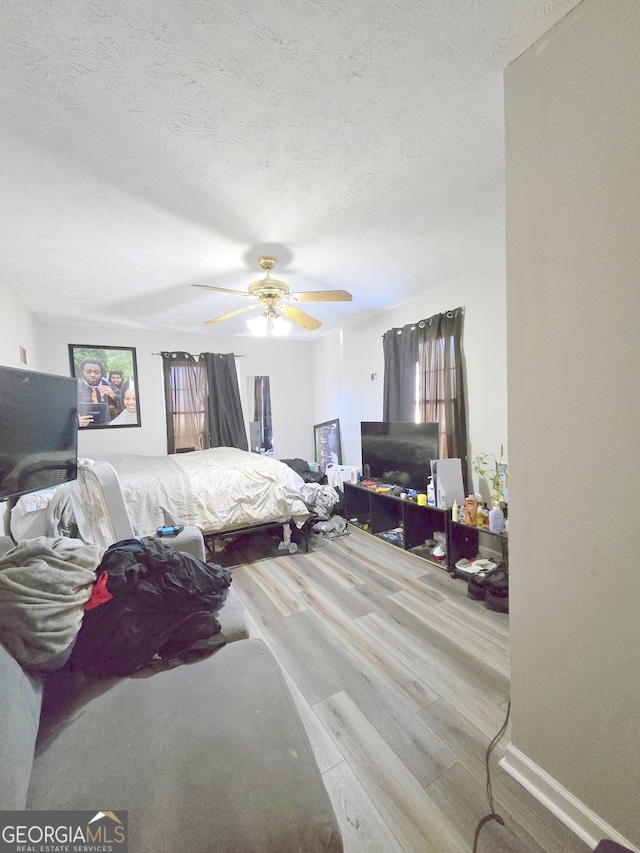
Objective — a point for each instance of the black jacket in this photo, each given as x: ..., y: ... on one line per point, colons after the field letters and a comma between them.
x: 152, y: 601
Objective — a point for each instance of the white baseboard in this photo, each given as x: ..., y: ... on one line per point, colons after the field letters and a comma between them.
x: 586, y: 824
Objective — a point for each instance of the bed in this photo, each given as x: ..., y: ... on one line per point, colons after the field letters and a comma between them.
x: 218, y: 490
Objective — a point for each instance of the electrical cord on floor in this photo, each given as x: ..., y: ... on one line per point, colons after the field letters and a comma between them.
x: 492, y: 813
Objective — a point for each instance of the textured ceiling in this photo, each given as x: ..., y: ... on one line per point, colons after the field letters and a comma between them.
x: 153, y: 144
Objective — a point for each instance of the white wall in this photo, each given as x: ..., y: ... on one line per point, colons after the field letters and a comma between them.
x: 344, y: 362
x: 287, y: 363
x: 17, y: 328
x: 573, y: 299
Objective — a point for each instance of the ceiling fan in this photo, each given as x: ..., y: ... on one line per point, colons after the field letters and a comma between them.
x: 276, y: 298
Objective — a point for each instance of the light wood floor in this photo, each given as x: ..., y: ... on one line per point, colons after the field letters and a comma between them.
x: 402, y: 682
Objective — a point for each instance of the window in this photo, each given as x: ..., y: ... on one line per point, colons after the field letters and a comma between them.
x: 202, y: 399
x: 423, y: 378
x: 186, y: 404
x: 436, y: 385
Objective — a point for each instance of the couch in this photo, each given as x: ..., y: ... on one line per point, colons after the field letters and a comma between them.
x: 207, y: 756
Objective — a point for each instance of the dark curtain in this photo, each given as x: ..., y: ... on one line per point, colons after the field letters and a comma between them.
x: 400, y: 347
x: 226, y: 424
x: 185, y: 394
x: 423, y: 379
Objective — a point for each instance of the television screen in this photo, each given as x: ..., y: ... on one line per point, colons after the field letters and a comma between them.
x: 38, y: 431
x: 399, y: 453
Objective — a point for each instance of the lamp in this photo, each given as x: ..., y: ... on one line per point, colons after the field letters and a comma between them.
x: 269, y: 324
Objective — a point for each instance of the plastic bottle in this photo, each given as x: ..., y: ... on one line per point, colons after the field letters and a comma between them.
x: 479, y: 518
x: 455, y: 511
x: 471, y: 509
x: 485, y: 516
x: 443, y: 500
x: 431, y: 493
x: 496, y: 519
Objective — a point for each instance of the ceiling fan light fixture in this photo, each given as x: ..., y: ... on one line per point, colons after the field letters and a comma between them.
x: 269, y: 325
x: 280, y: 326
x: 258, y: 325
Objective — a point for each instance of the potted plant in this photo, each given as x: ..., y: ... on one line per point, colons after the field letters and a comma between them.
x: 494, y: 472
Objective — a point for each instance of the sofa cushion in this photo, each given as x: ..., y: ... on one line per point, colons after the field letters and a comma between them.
x: 207, y: 756
x: 20, y: 702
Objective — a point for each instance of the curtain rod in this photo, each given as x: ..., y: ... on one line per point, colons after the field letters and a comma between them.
x: 421, y: 323
x: 235, y: 355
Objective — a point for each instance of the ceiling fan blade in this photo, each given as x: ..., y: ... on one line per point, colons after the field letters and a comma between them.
x: 231, y: 314
x: 323, y: 296
x: 307, y: 322
x: 222, y: 289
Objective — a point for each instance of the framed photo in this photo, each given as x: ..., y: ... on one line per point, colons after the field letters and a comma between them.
x: 107, y: 379
x: 327, y: 444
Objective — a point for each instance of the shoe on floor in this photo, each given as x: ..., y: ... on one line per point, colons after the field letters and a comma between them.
x: 476, y: 588
x: 482, y: 581
x: 497, y: 603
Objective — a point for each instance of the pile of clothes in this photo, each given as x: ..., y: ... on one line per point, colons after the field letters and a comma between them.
x: 64, y: 603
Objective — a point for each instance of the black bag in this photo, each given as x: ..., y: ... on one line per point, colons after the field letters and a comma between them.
x: 155, y: 602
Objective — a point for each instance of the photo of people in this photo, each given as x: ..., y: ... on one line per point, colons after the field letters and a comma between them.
x: 107, y: 381
x: 327, y: 442
x: 129, y: 413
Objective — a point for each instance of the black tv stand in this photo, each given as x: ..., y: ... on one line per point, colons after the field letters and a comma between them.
x: 408, y: 525
x: 463, y: 541
x: 400, y: 521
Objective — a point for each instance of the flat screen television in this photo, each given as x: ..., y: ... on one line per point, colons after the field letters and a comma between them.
x: 399, y: 453
x: 38, y: 431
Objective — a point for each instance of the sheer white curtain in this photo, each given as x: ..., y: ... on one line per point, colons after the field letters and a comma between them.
x: 186, y: 392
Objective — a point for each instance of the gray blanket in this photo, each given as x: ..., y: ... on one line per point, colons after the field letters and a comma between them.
x: 44, y: 585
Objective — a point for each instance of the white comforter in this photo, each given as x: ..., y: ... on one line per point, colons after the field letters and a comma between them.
x: 217, y: 489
